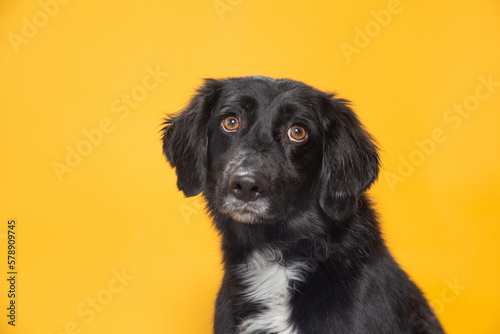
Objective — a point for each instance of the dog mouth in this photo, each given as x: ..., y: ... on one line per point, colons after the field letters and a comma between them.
x: 243, y: 190
x: 246, y: 212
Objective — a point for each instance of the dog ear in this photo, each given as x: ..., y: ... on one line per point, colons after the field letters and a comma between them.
x: 185, y: 139
x: 350, y: 160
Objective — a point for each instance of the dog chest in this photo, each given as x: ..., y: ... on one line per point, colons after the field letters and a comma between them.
x: 266, y: 280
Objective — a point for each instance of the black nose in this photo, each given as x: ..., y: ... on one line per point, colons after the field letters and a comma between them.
x: 247, y: 186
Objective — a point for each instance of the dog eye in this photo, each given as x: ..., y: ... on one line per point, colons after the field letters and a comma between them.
x: 297, y: 134
x: 230, y: 124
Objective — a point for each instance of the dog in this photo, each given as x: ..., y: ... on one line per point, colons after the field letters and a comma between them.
x: 284, y: 169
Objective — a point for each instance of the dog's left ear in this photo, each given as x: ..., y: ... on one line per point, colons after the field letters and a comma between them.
x: 185, y: 139
x: 350, y: 160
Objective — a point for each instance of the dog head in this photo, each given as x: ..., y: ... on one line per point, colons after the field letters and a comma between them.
x: 261, y: 149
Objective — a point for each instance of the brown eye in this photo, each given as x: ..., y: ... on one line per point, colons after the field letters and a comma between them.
x: 230, y: 124
x: 297, y: 134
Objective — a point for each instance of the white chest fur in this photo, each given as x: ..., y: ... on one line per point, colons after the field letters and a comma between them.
x: 267, y: 283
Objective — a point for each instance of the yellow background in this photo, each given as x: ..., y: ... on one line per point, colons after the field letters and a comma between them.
x: 119, y: 208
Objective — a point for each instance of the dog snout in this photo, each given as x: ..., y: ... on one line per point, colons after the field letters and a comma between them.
x: 248, y: 186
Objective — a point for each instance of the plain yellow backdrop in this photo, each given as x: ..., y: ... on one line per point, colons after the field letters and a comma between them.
x: 106, y: 243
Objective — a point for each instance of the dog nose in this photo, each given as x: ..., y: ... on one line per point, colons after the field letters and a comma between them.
x: 247, y: 186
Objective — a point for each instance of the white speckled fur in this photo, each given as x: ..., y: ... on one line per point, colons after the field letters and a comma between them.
x: 267, y: 280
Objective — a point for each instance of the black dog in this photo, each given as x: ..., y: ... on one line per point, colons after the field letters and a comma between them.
x: 283, y: 168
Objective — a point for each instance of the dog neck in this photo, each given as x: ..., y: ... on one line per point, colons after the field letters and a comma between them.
x: 268, y: 283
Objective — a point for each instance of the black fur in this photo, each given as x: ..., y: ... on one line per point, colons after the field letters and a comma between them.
x: 313, y: 209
